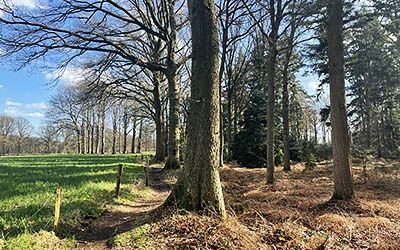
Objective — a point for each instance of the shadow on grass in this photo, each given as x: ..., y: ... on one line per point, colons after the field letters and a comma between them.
x: 27, y: 185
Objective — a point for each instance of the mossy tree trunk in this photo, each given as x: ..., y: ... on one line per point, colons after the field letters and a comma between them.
x: 198, y: 187
x: 343, y: 178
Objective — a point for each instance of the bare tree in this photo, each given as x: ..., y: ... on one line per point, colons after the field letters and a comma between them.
x: 7, y: 128
x: 117, y: 32
x: 48, y: 135
x: 23, y: 130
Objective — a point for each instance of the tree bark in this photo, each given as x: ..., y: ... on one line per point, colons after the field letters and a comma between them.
x: 158, y: 119
x: 83, y: 137
x: 92, y: 133
x: 87, y: 132
x: 97, y: 136
x: 285, y: 98
x: 343, y: 178
x: 173, y: 93
x: 270, y: 115
x: 78, y: 141
x: 139, y: 143
x: 198, y: 186
x: 102, y: 128
x: 224, y: 47
x: 228, y: 124
x: 125, y: 131
x: 275, y: 18
x: 133, y: 135
x: 114, y: 133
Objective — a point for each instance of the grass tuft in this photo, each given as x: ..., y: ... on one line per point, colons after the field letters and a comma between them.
x: 135, y: 239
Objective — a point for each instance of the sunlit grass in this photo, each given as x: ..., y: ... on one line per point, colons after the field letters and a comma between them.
x: 27, y: 185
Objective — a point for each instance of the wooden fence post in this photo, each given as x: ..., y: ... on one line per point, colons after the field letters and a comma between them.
x: 57, y: 208
x: 119, y: 177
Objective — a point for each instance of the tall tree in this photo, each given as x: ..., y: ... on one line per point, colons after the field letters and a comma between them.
x: 343, y: 178
x: 139, y: 142
x: 199, y: 187
x: 276, y: 14
x: 173, y: 90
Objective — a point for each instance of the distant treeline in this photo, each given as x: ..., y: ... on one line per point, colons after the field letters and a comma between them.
x: 18, y: 136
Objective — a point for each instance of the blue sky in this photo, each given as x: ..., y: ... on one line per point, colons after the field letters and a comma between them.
x: 24, y: 93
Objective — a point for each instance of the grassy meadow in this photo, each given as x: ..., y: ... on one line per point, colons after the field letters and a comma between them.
x: 27, y: 185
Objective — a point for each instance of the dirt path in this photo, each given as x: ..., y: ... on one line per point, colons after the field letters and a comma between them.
x: 127, y: 217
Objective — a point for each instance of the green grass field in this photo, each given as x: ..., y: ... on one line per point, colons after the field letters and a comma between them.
x: 27, y: 185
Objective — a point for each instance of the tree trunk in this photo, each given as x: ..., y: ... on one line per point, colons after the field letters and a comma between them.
x: 199, y: 187
x: 139, y: 143
x: 324, y: 133
x: 87, y: 133
x: 92, y: 133
x: 103, y: 134
x: 133, y: 135
x: 158, y: 119
x: 125, y: 131
x: 275, y: 10
x: 224, y: 47
x: 229, y: 125
x: 83, y: 138
x: 97, y: 136
x: 343, y: 178
x: 315, y: 131
x: 78, y: 144
x: 285, y: 97
x: 166, y: 134
x: 119, y: 134
x: 271, y: 69
x: 114, y: 133
x: 18, y: 146
x: 173, y: 94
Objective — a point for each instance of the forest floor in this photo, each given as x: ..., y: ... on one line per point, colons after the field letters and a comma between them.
x: 295, y: 213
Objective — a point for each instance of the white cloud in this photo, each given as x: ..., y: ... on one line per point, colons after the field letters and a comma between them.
x: 14, y: 4
x: 30, y: 4
x: 1, y: 86
x: 37, y: 105
x: 35, y: 115
x: 33, y: 110
x: 313, y: 85
x: 12, y: 111
x: 14, y: 104
x: 69, y: 76
x: 26, y: 3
